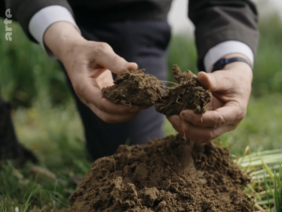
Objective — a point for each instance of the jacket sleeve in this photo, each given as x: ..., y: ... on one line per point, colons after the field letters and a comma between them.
x: 217, y: 21
x: 24, y: 10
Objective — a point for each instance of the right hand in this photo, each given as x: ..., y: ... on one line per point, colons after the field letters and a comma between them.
x: 89, y: 66
x: 231, y: 90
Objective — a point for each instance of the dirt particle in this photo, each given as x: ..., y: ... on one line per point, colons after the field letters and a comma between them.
x: 187, y: 94
x: 134, y: 88
x: 169, y: 174
x: 177, y: 188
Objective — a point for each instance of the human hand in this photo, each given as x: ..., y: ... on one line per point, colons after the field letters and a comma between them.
x: 231, y: 89
x: 89, y: 66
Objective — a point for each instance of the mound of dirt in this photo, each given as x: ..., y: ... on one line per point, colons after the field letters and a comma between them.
x: 134, y: 88
x: 168, y: 174
x: 187, y: 94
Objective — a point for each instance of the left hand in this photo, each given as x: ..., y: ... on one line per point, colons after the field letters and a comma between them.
x: 231, y: 89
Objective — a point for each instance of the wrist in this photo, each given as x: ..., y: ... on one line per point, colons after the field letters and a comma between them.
x: 234, y: 58
x: 241, y: 72
x: 239, y: 66
x: 60, y: 38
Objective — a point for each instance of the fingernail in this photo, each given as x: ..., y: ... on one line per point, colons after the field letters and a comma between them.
x: 134, y: 109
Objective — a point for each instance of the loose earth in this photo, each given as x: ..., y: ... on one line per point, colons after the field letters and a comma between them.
x: 171, y: 174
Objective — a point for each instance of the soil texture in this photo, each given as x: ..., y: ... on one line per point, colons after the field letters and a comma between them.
x: 187, y: 94
x: 167, y: 175
x: 134, y: 88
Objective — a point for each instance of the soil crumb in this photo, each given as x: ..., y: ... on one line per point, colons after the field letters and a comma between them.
x: 187, y: 94
x: 134, y: 88
x: 166, y: 175
x: 169, y: 174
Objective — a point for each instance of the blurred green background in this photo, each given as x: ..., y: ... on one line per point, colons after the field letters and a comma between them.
x: 36, y: 86
x: 47, y: 122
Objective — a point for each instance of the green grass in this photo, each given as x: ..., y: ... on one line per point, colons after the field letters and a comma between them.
x: 27, y: 74
x: 261, y: 128
x: 278, y: 189
x: 268, y: 63
x: 266, y: 178
x: 47, y: 122
x: 56, y: 137
x: 48, y: 129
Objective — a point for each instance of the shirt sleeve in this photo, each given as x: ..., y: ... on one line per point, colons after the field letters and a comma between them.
x: 224, y: 48
x: 219, y: 23
x: 24, y: 10
x: 44, y: 18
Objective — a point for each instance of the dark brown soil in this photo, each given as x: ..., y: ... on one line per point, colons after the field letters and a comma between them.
x: 169, y: 174
x: 187, y: 94
x: 164, y: 176
x: 134, y: 88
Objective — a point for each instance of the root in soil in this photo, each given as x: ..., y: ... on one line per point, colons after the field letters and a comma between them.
x: 134, y: 88
x: 187, y: 94
x: 169, y: 174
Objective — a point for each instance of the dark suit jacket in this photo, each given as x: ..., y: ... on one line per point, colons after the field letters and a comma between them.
x: 215, y: 21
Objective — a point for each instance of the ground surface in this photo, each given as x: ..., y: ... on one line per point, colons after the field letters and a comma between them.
x: 55, y: 134
x: 56, y: 137
x: 164, y: 176
x: 168, y: 174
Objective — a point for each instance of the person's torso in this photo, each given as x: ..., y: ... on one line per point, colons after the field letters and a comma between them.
x: 93, y: 11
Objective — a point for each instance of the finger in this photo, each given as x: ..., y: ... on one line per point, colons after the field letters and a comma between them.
x: 89, y: 93
x: 112, y: 118
x: 106, y: 57
x: 199, y: 134
x: 196, y: 133
x: 214, y: 104
x: 105, y: 79
x: 216, y: 81
x: 175, y: 121
x: 109, y: 107
x: 226, y: 115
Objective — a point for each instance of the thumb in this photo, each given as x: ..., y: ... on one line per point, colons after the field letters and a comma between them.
x: 110, y: 60
x: 216, y: 81
x: 117, y: 64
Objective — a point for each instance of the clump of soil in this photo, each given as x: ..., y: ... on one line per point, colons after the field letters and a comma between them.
x: 187, y: 94
x: 168, y: 174
x: 134, y: 88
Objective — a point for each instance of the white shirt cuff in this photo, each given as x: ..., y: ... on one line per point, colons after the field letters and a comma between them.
x: 44, y: 18
x: 224, y: 48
